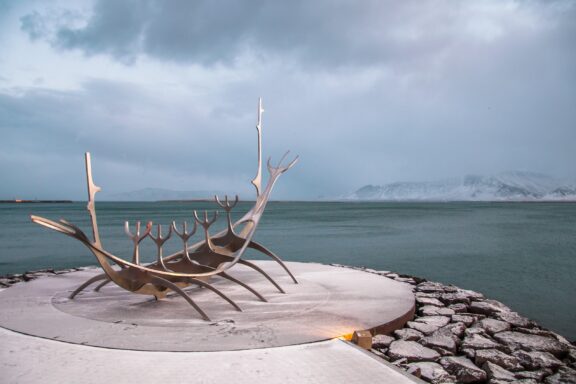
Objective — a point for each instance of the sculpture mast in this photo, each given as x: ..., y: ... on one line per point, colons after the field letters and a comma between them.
x: 257, y: 181
x: 92, y: 189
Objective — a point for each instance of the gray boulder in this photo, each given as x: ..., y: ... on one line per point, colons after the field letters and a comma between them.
x: 493, y: 326
x: 472, y: 295
x: 426, y: 329
x: 495, y: 356
x: 538, y: 375
x: 496, y: 372
x: 513, y: 318
x: 408, y: 334
x: 453, y: 330
x: 468, y: 320
x: 464, y: 369
x: 517, y: 340
x: 479, y: 342
x: 382, y: 341
x: 429, y: 301
x: 438, y: 321
x: 536, y: 359
x: 430, y: 310
x: 563, y: 376
x: 459, y: 307
x: 455, y: 297
x: 439, y: 343
x: 411, y: 351
x: 487, y: 307
x: 430, y: 287
x: 432, y: 372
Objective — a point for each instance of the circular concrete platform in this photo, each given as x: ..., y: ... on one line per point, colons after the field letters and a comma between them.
x: 328, y: 302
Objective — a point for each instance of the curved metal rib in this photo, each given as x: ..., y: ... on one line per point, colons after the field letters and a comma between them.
x: 258, y: 269
x: 87, y: 283
x: 266, y: 251
x: 99, y: 287
x: 233, y: 279
x: 216, y: 291
x: 167, y: 284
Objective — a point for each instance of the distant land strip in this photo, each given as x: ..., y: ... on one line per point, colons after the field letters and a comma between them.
x: 35, y: 201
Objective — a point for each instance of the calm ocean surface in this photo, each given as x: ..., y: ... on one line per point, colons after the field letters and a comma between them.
x: 523, y: 254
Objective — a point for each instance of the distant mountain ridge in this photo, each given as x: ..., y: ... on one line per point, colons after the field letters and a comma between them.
x: 508, y: 186
x: 159, y: 194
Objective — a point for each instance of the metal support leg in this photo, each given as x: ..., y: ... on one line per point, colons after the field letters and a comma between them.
x: 167, y: 284
x: 87, y: 283
x: 258, y: 269
x: 264, y: 250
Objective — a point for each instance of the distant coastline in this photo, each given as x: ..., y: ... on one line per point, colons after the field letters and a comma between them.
x: 19, y: 201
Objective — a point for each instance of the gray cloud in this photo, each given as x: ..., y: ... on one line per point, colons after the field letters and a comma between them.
x: 322, y: 33
x: 369, y: 92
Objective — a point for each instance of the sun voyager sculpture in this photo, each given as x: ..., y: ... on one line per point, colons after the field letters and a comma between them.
x: 195, y: 264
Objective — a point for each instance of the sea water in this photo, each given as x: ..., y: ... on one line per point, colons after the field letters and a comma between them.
x: 523, y: 254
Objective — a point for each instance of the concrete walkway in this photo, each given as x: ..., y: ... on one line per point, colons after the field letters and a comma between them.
x: 29, y: 359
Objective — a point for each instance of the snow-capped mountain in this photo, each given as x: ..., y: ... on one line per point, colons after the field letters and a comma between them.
x: 514, y: 186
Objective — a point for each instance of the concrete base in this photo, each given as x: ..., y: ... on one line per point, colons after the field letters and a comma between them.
x: 25, y: 359
x: 329, y: 302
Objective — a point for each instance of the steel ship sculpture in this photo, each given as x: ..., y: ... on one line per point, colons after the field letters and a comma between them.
x: 195, y: 265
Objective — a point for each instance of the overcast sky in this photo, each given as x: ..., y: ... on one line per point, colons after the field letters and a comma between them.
x: 164, y: 93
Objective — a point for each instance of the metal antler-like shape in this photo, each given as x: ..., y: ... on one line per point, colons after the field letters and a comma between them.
x: 206, y: 225
x: 279, y: 169
x: 159, y: 240
x: 228, y: 208
x: 185, y: 236
x: 137, y: 238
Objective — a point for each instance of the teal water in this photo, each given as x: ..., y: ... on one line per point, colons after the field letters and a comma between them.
x: 523, y: 254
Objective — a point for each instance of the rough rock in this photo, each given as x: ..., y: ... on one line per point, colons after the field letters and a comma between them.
x: 536, y: 359
x: 464, y: 369
x: 438, y: 321
x: 493, y: 326
x: 411, y: 351
x: 381, y: 341
x: 466, y: 319
x: 495, y: 356
x: 497, y: 372
x: 455, y: 297
x: 469, y: 353
x: 475, y: 331
x: 472, y: 295
x: 432, y: 372
x: 478, y: 342
x: 513, y: 318
x: 439, y: 343
x: 429, y: 301
x: 430, y: 286
x: 392, y: 275
x: 430, y: 310
x: 407, y: 280
x: 459, y: 307
x: 408, y: 334
x: 563, y: 376
x: 454, y: 330
x: 534, y: 375
x: 432, y: 295
x: 380, y: 353
x: 426, y: 329
x: 517, y: 340
x: 487, y: 307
